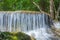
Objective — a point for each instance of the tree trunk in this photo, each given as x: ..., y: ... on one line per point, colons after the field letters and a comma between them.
x: 58, y: 12
x: 52, y: 8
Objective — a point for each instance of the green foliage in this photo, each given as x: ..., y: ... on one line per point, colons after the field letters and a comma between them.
x: 56, y: 2
x: 12, y: 5
x: 14, y: 36
x: 7, y: 5
x: 44, y: 5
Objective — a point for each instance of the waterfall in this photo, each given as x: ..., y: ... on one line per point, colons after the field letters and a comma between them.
x: 37, y: 24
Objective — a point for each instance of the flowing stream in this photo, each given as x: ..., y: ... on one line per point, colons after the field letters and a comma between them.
x: 37, y: 25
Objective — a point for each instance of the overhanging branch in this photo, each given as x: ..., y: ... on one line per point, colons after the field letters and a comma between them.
x: 37, y: 6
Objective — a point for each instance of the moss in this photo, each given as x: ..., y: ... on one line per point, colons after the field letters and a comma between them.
x: 14, y: 36
x: 22, y: 36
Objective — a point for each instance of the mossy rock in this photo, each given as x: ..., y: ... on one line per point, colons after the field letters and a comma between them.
x: 14, y: 36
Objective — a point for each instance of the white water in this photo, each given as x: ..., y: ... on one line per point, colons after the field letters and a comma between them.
x: 40, y: 34
x: 37, y: 25
x: 57, y: 25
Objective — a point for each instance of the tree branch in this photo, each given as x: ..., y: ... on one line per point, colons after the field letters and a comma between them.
x: 37, y: 6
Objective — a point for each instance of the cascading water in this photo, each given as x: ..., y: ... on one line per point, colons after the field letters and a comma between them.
x: 57, y: 25
x: 37, y: 25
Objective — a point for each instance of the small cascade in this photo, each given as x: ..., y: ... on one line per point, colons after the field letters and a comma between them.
x: 57, y: 25
x: 36, y: 24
